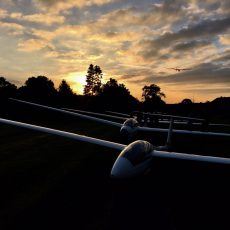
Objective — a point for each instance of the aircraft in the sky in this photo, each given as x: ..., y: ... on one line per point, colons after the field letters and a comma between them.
x: 178, y: 69
x: 134, y: 159
x: 130, y: 126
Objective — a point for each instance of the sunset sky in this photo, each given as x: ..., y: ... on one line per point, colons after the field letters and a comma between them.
x: 133, y: 41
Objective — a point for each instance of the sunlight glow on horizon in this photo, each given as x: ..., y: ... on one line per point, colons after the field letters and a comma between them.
x: 77, y: 81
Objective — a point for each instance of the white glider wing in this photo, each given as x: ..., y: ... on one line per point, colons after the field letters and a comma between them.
x: 96, y: 114
x: 184, y: 131
x: 70, y: 113
x: 191, y: 157
x: 173, y: 116
x: 65, y: 134
x: 121, y: 114
x: 113, y: 145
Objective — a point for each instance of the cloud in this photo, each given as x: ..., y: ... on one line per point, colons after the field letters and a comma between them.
x: 31, y: 45
x: 43, y: 34
x: 16, y: 15
x: 63, y: 5
x: 186, y: 46
x: 224, y: 39
x: 11, y: 28
x: 224, y: 7
x: 215, y: 90
x: 3, y: 13
x: 47, y: 19
x: 205, y: 73
x: 40, y: 18
x: 155, y: 17
x: 223, y: 57
x: 204, y: 29
x: 116, y: 37
x: 135, y: 43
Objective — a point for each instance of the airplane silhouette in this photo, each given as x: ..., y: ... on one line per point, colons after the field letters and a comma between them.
x: 178, y: 69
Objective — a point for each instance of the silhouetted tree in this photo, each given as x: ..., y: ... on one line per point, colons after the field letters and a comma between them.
x: 152, y: 92
x: 7, y: 89
x: 38, y: 88
x: 93, y: 80
x: 221, y: 105
x: 66, y: 95
x: 64, y: 89
x: 117, y: 96
x: 151, y: 96
x: 222, y: 101
x: 186, y: 101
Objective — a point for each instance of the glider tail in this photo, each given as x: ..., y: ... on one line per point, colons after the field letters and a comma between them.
x: 168, y: 144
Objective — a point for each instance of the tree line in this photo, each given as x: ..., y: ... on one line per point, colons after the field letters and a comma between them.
x: 111, y: 96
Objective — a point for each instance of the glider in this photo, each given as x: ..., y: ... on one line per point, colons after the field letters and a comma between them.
x: 178, y: 69
x: 134, y: 159
x: 129, y: 128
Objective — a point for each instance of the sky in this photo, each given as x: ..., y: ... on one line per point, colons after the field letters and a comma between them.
x: 136, y: 42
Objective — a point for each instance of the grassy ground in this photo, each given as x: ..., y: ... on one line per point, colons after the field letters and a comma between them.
x: 49, y: 182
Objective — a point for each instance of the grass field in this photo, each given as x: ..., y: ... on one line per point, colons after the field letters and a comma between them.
x: 49, y: 182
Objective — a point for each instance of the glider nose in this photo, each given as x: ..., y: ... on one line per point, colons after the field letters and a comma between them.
x: 122, y: 168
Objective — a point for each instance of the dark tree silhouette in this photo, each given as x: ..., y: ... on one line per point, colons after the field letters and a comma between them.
x: 151, y: 96
x: 7, y: 89
x: 117, y: 96
x: 93, y: 80
x: 38, y: 88
x: 152, y: 93
x: 64, y: 89
x: 222, y: 101
x: 186, y: 101
x: 65, y: 94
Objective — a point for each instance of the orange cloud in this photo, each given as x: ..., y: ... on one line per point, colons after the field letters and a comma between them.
x: 47, y: 19
x: 31, y: 45
x: 44, y: 34
x: 3, y: 13
x: 12, y: 28
x: 224, y: 39
x: 63, y: 5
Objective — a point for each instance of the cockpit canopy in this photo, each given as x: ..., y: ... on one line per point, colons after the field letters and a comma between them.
x: 131, y: 122
x: 137, y: 152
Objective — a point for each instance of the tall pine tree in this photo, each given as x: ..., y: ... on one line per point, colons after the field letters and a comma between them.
x: 93, y: 80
